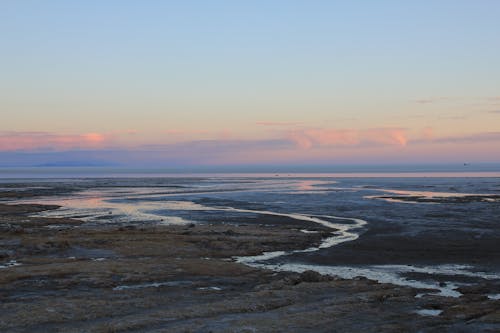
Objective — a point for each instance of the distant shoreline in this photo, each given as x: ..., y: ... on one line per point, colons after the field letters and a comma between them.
x: 76, y: 173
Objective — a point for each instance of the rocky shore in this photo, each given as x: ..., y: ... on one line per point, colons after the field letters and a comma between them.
x: 61, y: 275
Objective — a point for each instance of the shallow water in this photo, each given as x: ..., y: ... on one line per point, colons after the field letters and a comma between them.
x: 345, y: 206
x: 429, y: 312
x: 8, y: 264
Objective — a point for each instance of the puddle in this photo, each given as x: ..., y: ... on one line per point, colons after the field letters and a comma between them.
x: 495, y: 297
x: 430, y: 197
x: 309, y: 231
x: 98, y: 259
x: 429, y: 312
x: 153, y: 285
x: 210, y: 288
x: 9, y: 264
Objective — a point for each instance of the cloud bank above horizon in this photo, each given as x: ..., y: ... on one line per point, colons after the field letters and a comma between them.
x: 261, y: 82
x: 294, y: 145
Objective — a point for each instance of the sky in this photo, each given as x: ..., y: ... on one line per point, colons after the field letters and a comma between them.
x: 160, y: 83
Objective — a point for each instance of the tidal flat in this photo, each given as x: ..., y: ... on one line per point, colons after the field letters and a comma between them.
x: 247, y: 254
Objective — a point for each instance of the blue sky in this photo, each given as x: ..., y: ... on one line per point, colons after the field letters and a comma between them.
x: 339, y: 81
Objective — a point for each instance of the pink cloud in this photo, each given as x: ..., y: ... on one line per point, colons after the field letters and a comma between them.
x: 313, y: 145
x: 308, y: 138
x: 95, y: 138
x: 225, y: 135
x: 427, y: 133
x: 13, y: 141
x: 388, y: 136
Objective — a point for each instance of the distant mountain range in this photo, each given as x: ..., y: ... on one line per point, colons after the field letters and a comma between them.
x: 78, y: 164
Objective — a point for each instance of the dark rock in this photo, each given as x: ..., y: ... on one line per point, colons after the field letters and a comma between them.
x: 312, y: 276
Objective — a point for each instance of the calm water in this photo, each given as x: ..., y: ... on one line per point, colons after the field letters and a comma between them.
x: 348, y: 206
x: 457, y: 170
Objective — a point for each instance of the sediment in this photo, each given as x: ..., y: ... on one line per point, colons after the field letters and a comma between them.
x: 61, y: 275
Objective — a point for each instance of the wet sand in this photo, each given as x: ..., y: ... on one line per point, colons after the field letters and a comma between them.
x: 62, y: 275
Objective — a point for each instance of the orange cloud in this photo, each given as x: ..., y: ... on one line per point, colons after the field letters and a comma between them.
x: 427, y: 133
x: 94, y: 137
x: 400, y: 137
x: 388, y: 136
x: 12, y: 141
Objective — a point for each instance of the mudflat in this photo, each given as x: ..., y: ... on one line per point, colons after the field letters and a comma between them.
x: 61, y: 276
